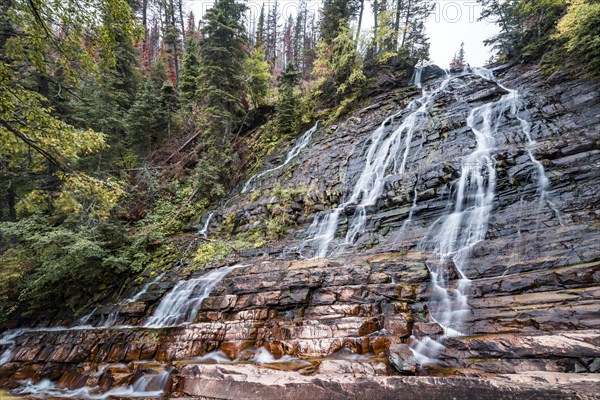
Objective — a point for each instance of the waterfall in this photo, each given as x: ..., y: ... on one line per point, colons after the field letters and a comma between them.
x: 181, y: 304
x: 386, y: 155
x: 111, y: 318
x: 147, y: 286
x: 204, y: 231
x: 515, y: 104
x: 301, y: 143
x: 466, y: 225
x: 416, y: 78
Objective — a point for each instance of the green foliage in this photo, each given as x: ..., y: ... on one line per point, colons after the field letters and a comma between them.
x: 334, y: 15
x: 150, y: 118
x: 261, y: 31
x: 386, y: 37
x: 228, y: 224
x: 220, y: 74
x: 212, y: 252
x: 32, y: 136
x: 188, y: 81
x: 578, y: 34
x: 548, y: 29
x: 287, y: 106
x: 287, y: 196
x: 278, y: 225
x: 258, y: 76
x: 525, y: 25
x: 339, y: 71
x: 62, y: 266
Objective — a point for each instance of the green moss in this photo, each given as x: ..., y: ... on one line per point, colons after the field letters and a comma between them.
x: 278, y: 225
x: 255, y: 196
x: 288, y: 195
x: 212, y: 252
x: 228, y: 224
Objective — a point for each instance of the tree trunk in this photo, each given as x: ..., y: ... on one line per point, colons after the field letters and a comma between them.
x: 397, y: 22
x: 406, y: 20
x: 181, y: 17
x: 360, y: 15
x: 376, y: 20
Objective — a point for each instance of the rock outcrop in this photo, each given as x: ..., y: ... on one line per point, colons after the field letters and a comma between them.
x: 345, y: 326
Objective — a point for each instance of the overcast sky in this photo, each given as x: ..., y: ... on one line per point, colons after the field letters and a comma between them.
x: 453, y: 22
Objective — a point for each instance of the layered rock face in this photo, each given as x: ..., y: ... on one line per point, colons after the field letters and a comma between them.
x: 476, y: 267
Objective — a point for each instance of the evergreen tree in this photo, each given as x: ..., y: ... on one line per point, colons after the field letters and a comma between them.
x: 414, y: 44
x: 220, y: 74
x: 261, y: 29
x: 334, y: 15
x: 36, y: 68
x: 288, y: 41
x: 149, y: 119
x: 299, y: 34
x: 577, y: 36
x: 272, y: 34
x: 171, y: 38
x: 461, y: 53
x: 339, y: 69
x: 526, y: 26
x: 287, y: 106
x: 188, y: 83
x: 105, y: 97
x: 459, y: 59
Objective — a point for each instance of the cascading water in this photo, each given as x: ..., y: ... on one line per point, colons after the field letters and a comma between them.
x: 515, y: 103
x: 110, y: 320
x: 301, y: 143
x: 139, y: 388
x: 467, y: 224
x: 204, y: 231
x: 144, y: 290
x: 182, y: 303
x: 386, y: 155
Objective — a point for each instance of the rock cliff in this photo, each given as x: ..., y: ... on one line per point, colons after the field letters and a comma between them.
x: 468, y: 256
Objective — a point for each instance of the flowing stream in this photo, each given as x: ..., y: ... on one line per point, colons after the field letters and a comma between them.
x: 301, y: 143
x: 148, y: 385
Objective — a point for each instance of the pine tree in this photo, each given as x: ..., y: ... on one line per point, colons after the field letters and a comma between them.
x: 339, y: 69
x: 461, y: 53
x: 299, y: 35
x: 220, y: 74
x: 286, y: 111
x: 171, y: 38
x: 272, y: 34
x: 334, y: 15
x: 288, y: 41
x: 149, y: 119
x: 188, y: 83
x: 410, y: 21
x: 261, y: 29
